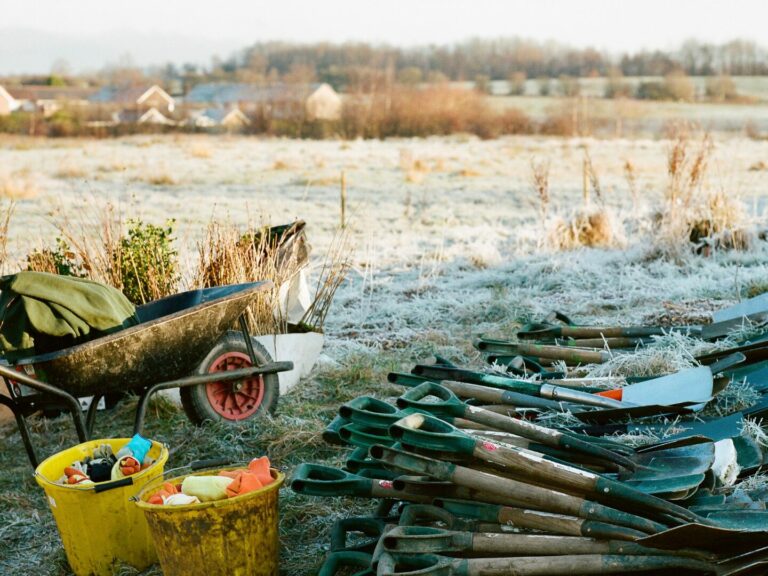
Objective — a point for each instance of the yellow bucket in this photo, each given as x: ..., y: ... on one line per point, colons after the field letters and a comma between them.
x: 233, y: 537
x: 98, y: 523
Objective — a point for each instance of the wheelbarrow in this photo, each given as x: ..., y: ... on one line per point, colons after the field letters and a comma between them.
x: 182, y: 341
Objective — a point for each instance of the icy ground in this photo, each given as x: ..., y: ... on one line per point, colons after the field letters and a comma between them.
x: 447, y: 232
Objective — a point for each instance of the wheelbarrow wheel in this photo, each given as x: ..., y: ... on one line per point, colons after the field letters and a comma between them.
x: 231, y: 401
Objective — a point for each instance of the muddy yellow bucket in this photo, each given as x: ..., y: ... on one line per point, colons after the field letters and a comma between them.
x: 98, y: 523
x: 232, y: 537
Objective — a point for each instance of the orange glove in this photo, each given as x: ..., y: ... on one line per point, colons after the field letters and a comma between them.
x: 260, y: 467
x: 129, y: 465
x: 75, y: 476
x: 244, y: 482
x: 167, y: 490
x: 255, y: 477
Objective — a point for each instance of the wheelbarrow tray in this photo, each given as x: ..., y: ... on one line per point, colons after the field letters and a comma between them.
x: 172, y: 338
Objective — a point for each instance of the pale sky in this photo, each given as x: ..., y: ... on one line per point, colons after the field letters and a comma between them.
x: 90, y: 33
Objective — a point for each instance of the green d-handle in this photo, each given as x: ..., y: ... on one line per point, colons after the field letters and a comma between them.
x: 419, y: 565
x: 370, y: 412
x: 318, y: 480
x: 370, y: 527
x: 408, y: 380
x: 430, y: 433
x: 448, y: 404
x: 364, y: 437
x: 340, y: 562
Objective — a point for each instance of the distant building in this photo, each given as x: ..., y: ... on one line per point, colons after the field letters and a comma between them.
x: 7, y: 102
x: 48, y: 99
x: 231, y: 119
x: 282, y: 101
x: 151, y: 116
x: 136, y: 99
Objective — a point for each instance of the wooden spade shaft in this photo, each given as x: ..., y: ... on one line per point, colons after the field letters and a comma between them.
x: 541, y: 521
x: 515, y: 493
x: 417, y: 539
x: 545, y: 436
x: 573, y: 565
x: 532, y: 466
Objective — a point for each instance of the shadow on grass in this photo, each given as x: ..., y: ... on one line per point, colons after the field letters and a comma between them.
x: 29, y: 541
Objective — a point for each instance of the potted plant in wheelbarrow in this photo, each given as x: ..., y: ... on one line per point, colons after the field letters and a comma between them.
x: 285, y: 324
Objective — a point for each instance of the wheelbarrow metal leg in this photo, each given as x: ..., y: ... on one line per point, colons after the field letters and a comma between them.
x: 70, y: 401
x: 23, y: 430
x: 90, y: 417
x: 247, y: 337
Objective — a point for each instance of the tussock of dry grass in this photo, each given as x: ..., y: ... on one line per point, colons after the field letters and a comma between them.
x: 597, y: 229
x: 692, y: 219
x: 200, y: 150
x: 18, y: 187
x: 668, y: 354
x: 71, y: 171
x: 229, y: 256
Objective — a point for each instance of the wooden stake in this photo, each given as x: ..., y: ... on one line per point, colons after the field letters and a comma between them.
x: 343, y: 199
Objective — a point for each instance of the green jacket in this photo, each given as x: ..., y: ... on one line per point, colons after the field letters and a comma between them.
x: 42, y: 312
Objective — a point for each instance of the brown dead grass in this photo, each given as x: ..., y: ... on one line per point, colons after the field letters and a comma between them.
x: 200, y: 150
x: 596, y: 229
x: 71, y: 171
x: 18, y: 187
x: 692, y: 218
x: 228, y: 255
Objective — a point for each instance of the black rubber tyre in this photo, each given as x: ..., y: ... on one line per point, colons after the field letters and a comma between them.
x: 231, y: 402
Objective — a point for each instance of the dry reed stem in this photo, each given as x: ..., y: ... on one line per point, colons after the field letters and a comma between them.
x: 7, y: 208
x: 227, y: 256
x: 94, y: 237
x: 540, y: 182
x: 594, y: 180
x: 336, y: 265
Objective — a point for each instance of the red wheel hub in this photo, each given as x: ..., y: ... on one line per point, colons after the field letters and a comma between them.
x: 235, y: 400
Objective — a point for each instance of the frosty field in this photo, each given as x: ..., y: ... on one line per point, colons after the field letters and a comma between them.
x: 449, y: 243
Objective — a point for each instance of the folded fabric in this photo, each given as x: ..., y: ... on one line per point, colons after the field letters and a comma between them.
x: 207, y: 488
x: 180, y: 500
x: 42, y: 312
x: 163, y: 494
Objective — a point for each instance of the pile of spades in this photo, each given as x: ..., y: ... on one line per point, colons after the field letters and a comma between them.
x: 470, y: 481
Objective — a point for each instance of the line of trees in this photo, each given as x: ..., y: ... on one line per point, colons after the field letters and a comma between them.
x: 344, y: 65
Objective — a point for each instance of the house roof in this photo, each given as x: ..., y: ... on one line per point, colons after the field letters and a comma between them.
x: 230, y: 93
x: 151, y: 116
x: 128, y: 95
x: 216, y: 116
x: 50, y: 92
x: 4, y: 94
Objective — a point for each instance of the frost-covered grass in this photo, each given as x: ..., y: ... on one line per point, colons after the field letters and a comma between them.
x: 439, y: 260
